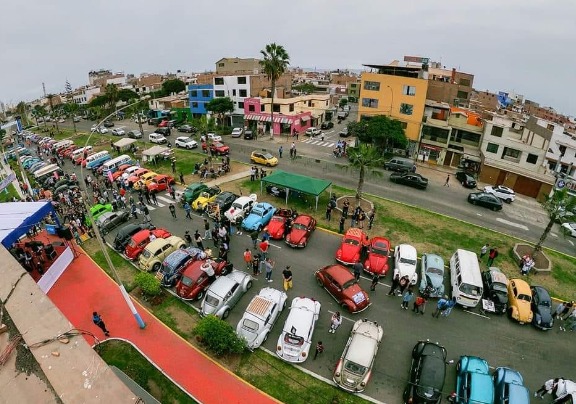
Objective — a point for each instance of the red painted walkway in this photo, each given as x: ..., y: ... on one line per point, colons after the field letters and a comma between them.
x: 84, y: 288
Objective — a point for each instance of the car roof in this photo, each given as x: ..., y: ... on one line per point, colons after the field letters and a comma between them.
x: 361, y: 349
x: 159, y: 242
x: 339, y: 273
x: 222, y: 285
x: 482, y: 388
x: 434, y: 261
x: 354, y: 232
x: 408, y: 251
x: 521, y: 286
x: 300, y: 317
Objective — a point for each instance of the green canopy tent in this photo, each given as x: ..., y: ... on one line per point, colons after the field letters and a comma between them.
x: 296, y: 182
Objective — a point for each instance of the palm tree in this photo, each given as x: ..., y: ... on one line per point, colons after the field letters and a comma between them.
x: 364, y: 157
x: 22, y: 110
x: 557, y: 207
x: 39, y: 112
x: 51, y: 102
x: 275, y: 61
x: 112, y: 95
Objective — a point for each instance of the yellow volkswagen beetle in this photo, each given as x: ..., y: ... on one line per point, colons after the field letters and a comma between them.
x: 519, y: 301
x: 206, y: 197
x: 145, y: 179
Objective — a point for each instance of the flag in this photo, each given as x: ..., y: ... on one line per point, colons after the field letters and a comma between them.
x: 110, y: 177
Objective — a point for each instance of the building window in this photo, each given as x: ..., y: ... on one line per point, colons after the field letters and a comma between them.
x: 219, y: 81
x: 242, y: 80
x: 353, y: 85
x: 251, y: 108
x: 550, y: 127
x: 370, y: 102
x: 220, y: 64
x: 219, y: 93
x: 404, y: 125
x: 194, y: 93
x: 206, y: 93
x: 462, y: 95
x: 406, y: 109
x: 291, y: 107
x: 532, y: 158
x: 465, y: 82
x: 194, y: 105
x: 408, y: 90
x: 262, y: 108
x: 234, y: 92
x: 492, y: 148
x: 511, y: 154
x: 276, y: 108
x: 497, y: 131
x: 241, y: 105
x: 372, y: 85
x: 243, y: 93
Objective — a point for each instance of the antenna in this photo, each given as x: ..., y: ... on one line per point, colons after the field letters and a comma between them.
x: 44, y: 89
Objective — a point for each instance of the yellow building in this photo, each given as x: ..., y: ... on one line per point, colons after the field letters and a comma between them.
x: 397, y: 92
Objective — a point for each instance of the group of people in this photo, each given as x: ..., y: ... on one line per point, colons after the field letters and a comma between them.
x: 340, y: 150
x: 358, y: 216
x: 256, y: 174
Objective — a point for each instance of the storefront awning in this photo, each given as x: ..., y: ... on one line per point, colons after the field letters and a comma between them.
x: 430, y: 147
x: 305, y: 118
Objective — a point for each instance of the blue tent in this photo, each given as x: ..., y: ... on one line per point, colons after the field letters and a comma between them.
x: 16, y: 218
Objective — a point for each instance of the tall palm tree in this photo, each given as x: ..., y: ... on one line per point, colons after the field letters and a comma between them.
x: 112, y: 95
x: 275, y: 61
x: 557, y: 206
x: 51, y: 102
x: 22, y: 110
x: 364, y: 157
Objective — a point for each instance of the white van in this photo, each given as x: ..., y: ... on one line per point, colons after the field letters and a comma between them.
x: 112, y: 165
x: 465, y: 278
x: 63, y: 143
x: 81, y: 151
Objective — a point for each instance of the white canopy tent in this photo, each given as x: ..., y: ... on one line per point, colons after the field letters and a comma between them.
x: 125, y: 142
x: 152, y: 153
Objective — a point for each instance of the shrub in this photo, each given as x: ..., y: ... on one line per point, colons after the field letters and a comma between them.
x: 148, y: 283
x: 218, y: 336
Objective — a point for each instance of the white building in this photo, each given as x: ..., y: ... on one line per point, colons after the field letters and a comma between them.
x: 85, y: 95
x: 561, y: 154
x: 237, y: 88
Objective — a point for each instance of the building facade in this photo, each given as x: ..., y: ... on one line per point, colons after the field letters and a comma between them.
x: 450, y: 86
x: 198, y: 96
x: 238, y: 65
x: 353, y: 90
x: 84, y: 96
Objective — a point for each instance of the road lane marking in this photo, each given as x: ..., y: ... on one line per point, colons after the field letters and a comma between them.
x: 168, y: 201
x: 571, y: 243
x: 476, y: 314
x: 344, y: 317
x: 330, y: 145
x: 513, y: 224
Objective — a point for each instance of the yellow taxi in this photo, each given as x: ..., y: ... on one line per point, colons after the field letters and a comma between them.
x: 145, y: 179
x: 519, y: 301
x: 263, y: 158
x: 206, y: 197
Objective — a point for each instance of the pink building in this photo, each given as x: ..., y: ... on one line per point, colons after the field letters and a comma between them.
x: 286, y: 120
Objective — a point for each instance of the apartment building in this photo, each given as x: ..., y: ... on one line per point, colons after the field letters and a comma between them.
x: 514, y: 155
x: 198, y: 96
x: 449, y: 85
x: 238, y: 66
x: 147, y: 83
x: 83, y: 96
x: 353, y: 90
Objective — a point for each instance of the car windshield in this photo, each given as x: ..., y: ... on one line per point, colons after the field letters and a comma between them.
x: 256, y: 212
x: 146, y: 253
x: 278, y: 219
x: 354, y: 368
x: 544, y: 303
x: 204, y: 195
x: 132, y: 243
x: 379, y: 251
x: 470, y: 290
x: 407, y: 261
x: 187, y: 281
x: 525, y: 298
x: 211, y: 300
x: 250, y: 325
x: 268, y: 156
x: 299, y: 226
x: 351, y: 241
x: 348, y: 284
x: 187, y: 140
x: 236, y: 206
x: 293, y: 339
x: 499, y: 287
x: 436, y: 271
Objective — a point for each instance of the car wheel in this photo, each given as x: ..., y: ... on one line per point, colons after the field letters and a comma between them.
x: 495, y: 208
x: 345, y: 308
x: 474, y: 203
x: 259, y: 228
x: 508, y: 200
x: 225, y: 314
x: 156, y: 267
x: 304, y: 244
x: 509, y: 312
x: 319, y: 282
x: 458, y: 367
x: 249, y: 285
x: 200, y: 295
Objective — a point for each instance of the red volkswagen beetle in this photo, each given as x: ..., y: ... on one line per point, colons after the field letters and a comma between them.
x: 140, y: 240
x: 377, y: 261
x: 343, y: 287
x: 277, y: 224
x: 160, y: 183
x: 301, y: 230
x: 349, y: 251
x: 195, y: 281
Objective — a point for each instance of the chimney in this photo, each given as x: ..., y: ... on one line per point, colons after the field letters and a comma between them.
x: 453, y: 78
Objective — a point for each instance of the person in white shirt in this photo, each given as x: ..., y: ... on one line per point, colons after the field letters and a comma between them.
x: 152, y: 237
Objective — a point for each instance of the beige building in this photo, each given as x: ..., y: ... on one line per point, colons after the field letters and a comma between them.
x: 238, y: 66
x: 316, y: 104
x: 171, y: 101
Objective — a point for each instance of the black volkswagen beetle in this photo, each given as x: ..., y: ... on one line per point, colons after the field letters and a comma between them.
x: 126, y: 232
x: 496, y: 289
x: 542, y: 308
x: 426, y: 374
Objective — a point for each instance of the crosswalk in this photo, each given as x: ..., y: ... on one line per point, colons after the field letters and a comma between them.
x: 162, y: 202
x: 319, y: 142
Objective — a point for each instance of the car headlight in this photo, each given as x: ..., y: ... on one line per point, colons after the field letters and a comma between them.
x: 368, y: 267
x: 337, y: 374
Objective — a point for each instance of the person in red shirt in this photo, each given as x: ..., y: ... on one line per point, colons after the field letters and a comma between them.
x: 248, y: 259
x: 264, y: 245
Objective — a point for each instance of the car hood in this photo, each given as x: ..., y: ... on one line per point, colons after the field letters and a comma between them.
x: 276, y: 228
x: 434, y: 280
x: 376, y: 263
x: 252, y: 221
x: 406, y: 269
x: 524, y: 310
x: 349, y: 251
x: 544, y: 315
x: 297, y: 235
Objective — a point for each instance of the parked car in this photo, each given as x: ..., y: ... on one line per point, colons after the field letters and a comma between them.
x: 277, y: 225
x: 186, y: 129
x: 248, y: 135
x: 432, y: 275
x: 377, y: 260
x: 224, y: 200
x: 296, y: 338
x: 405, y: 259
x: 349, y: 251
x: 192, y: 191
x: 207, y: 196
x: 186, y: 142
x: 569, y: 229
x: 485, y: 200
x: 135, y: 134
x: 473, y: 381
x: 173, y: 265
x: 400, y: 164
x: 500, y: 191
x: 108, y: 124
x: 302, y: 228
x: 344, y: 288
x: 195, y: 280
x: 427, y: 373
x: 211, y: 137
x: 520, y: 301
x: 96, y: 211
x: 155, y: 252
x: 344, y: 132
x: 327, y: 125
x: 219, y: 148
x: 163, y: 131
x: 542, y: 308
x: 313, y: 132
x: 224, y: 293
x: 495, y: 289
x: 354, y: 368
x: 126, y: 232
x: 259, y: 216
x: 118, y: 132
x: 509, y: 387
x: 240, y: 207
x: 237, y: 132
x: 160, y: 183
x: 410, y: 179
x: 265, y: 159
x: 157, y: 138
x: 110, y: 220
x: 260, y: 316
x: 140, y: 240
x: 466, y: 179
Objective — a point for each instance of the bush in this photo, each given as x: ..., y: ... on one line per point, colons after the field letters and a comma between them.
x: 218, y: 336
x: 224, y: 130
x: 148, y: 283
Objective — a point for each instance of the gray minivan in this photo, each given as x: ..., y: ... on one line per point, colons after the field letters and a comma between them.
x: 400, y: 164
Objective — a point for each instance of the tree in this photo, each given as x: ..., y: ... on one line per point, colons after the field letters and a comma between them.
x: 275, y: 61
x: 51, y: 102
x: 112, y: 95
x: 381, y: 131
x: 343, y: 102
x: 98, y: 101
x: 22, y: 110
x: 364, y: 157
x: 220, y: 106
x: 306, y: 88
x: 126, y: 95
x: 71, y: 108
x: 173, y: 86
x: 39, y: 112
x: 556, y: 206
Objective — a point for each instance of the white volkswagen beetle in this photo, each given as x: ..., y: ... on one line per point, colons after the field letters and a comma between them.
x: 224, y: 293
x: 260, y: 316
x: 240, y: 207
x: 296, y: 338
x: 405, y: 259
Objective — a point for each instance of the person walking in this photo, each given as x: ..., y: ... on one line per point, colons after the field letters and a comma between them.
x: 342, y: 222
x: 419, y: 305
x: 492, y: 255
x: 450, y: 305
x: 375, y: 279
x: 484, y: 250
x: 280, y: 150
x: 248, y: 259
x: 198, y: 240
x: 335, y: 322
x: 254, y: 237
x: 357, y: 268
x: 345, y: 208
x: 188, y: 210
x: 441, y: 305
x: 559, y: 309
x: 207, y: 235
x: 97, y: 319
x: 403, y: 284
x: 447, y: 183
x: 548, y: 387
x: 566, y: 311
x: 269, y: 265
x: 395, y: 284
x: 264, y: 246
x: 329, y: 212
x: 172, y: 210
x: 407, y: 298
x: 154, y: 200
x: 371, y: 219
x: 182, y: 178
x: 319, y: 349
x: 145, y: 212
x: 287, y: 276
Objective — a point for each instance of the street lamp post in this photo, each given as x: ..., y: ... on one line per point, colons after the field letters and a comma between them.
x: 123, y: 291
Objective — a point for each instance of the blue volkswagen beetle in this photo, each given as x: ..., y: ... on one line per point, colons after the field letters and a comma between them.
x: 473, y: 381
x: 259, y: 216
x: 509, y: 387
x: 432, y: 275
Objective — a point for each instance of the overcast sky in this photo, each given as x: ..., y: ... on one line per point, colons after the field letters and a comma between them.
x: 525, y: 47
